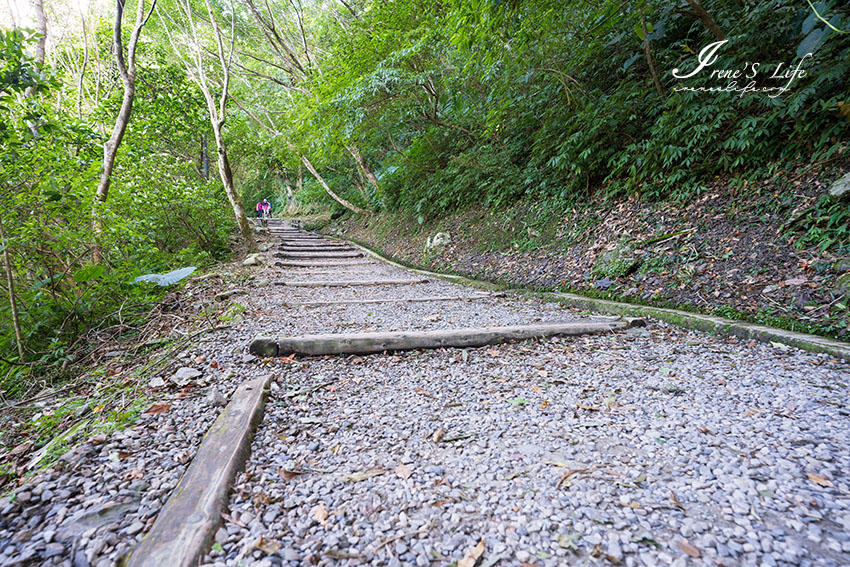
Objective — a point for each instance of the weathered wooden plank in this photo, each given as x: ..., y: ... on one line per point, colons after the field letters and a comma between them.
x: 319, y: 264
x: 391, y: 300
x: 316, y: 242
x: 316, y: 248
x: 185, y: 526
x: 364, y: 343
x: 348, y: 283
x: 296, y: 255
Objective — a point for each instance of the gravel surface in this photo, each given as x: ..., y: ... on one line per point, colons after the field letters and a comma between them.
x: 102, y: 497
x: 646, y: 447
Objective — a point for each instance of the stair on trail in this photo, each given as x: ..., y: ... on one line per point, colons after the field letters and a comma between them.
x: 311, y: 255
x: 330, y: 287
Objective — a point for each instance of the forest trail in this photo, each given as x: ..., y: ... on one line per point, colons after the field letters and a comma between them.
x: 638, y: 446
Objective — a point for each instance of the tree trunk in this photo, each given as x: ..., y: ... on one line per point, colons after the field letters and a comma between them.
x: 127, y: 70
x: 364, y: 167
x: 41, y: 27
x: 10, y: 284
x: 328, y: 190
x: 299, y: 183
x: 83, y: 68
x: 290, y: 196
x: 205, y: 158
x: 700, y: 12
x: 649, y: 61
x: 227, y: 179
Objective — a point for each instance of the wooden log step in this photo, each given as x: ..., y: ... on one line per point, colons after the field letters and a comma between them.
x: 365, y: 343
x: 185, y: 526
x: 296, y: 255
x: 392, y: 300
x: 348, y: 283
x: 318, y: 264
x: 315, y: 243
x: 316, y: 248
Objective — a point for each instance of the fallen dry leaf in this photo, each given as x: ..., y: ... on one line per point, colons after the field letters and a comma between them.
x: 567, y: 475
x: 688, y: 549
x: 419, y: 390
x: 158, y: 408
x: 286, y: 474
x: 363, y: 475
x: 133, y: 474
x: 232, y: 520
x: 472, y: 556
x: 268, y: 546
x: 403, y: 471
x: 98, y: 409
x: 818, y: 479
x: 585, y: 407
x: 438, y: 435
x: 675, y: 501
x: 320, y: 514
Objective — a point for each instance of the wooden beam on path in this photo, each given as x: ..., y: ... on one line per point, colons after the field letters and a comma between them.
x: 186, y: 525
x: 392, y: 300
x: 319, y: 264
x: 315, y: 248
x: 364, y: 343
x: 316, y: 244
x: 348, y: 283
x: 297, y: 255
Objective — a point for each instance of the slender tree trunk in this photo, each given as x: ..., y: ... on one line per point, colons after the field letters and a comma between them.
x: 10, y: 284
x: 205, y: 158
x: 700, y: 12
x: 110, y: 148
x: 327, y: 189
x: 127, y: 70
x: 12, y: 10
x: 41, y: 27
x: 40, y: 48
x: 229, y: 188
x: 85, y: 64
x: 361, y: 163
x: 290, y: 196
x: 299, y: 183
x: 649, y: 60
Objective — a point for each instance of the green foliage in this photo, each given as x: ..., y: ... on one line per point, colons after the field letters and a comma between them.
x: 162, y: 212
x: 490, y: 101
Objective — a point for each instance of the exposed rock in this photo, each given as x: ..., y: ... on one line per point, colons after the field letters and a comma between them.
x: 842, y: 284
x: 156, y: 382
x: 841, y: 266
x: 254, y: 260
x: 840, y: 189
x: 439, y: 240
x: 225, y: 295
x: 215, y: 398
x: 185, y: 375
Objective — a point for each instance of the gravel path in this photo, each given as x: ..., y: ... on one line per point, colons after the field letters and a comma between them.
x: 650, y: 446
